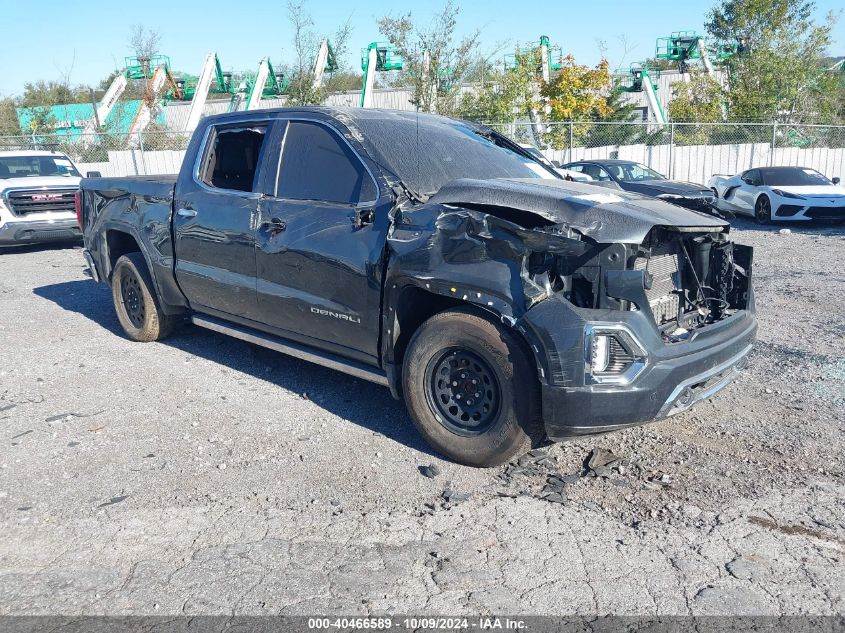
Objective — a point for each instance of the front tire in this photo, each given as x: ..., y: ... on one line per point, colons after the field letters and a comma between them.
x: 471, y: 389
x: 763, y: 210
x: 135, y: 303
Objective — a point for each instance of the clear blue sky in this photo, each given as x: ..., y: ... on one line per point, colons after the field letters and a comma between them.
x: 88, y: 38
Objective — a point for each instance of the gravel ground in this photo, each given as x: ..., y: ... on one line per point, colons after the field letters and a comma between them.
x: 206, y: 475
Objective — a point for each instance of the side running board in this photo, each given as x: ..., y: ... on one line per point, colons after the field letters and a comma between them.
x: 319, y: 357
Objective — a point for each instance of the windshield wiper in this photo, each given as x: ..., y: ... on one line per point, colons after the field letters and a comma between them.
x: 412, y: 195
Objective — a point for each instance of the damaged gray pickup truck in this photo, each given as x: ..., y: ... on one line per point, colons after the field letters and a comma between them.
x: 507, y: 306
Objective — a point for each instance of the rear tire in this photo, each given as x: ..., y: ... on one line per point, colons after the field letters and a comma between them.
x: 471, y: 389
x: 763, y: 210
x: 135, y: 302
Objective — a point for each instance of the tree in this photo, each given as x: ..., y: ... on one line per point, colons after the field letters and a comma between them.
x: 698, y: 100
x: 144, y: 43
x: 9, y: 125
x: 578, y: 92
x: 508, y: 94
x: 780, y: 72
x: 302, y: 89
x: 435, y: 62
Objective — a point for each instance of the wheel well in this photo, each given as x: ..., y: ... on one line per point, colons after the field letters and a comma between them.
x: 119, y: 244
x: 413, y: 308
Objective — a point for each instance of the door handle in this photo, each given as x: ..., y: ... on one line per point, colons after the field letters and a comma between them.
x: 186, y: 213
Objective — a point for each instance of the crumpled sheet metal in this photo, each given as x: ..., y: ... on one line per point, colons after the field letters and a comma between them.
x: 603, y: 215
x: 473, y: 256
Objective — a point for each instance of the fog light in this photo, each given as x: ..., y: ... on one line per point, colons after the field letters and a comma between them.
x: 613, y: 354
x: 601, y: 353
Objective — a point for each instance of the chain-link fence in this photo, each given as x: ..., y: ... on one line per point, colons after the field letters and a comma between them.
x: 683, y: 151
x: 138, y: 154
x: 689, y: 151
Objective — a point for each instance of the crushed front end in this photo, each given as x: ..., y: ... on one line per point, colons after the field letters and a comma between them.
x: 631, y: 333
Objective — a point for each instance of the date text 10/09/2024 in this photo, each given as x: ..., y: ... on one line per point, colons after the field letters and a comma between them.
x: 413, y: 624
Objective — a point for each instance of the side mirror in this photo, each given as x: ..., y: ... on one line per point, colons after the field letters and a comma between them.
x: 93, y: 174
x: 836, y: 180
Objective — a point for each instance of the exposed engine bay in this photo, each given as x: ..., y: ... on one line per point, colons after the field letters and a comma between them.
x: 689, y: 280
x: 598, y: 250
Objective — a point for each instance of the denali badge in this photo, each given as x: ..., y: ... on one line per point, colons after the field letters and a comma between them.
x: 336, y: 315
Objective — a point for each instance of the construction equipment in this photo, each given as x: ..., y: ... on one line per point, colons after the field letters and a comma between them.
x: 104, y: 108
x: 148, y: 109
x: 639, y: 78
x: 377, y: 57
x: 210, y: 69
x: 685, y: 46
x: 324, y: 63
x: 265, y: 84
x: 551, y: 57
x: 144, y: 67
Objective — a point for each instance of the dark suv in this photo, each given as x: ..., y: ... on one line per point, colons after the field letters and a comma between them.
x: 631, y: 176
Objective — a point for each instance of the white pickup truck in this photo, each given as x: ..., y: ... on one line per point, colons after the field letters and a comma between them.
x: 37, y: 190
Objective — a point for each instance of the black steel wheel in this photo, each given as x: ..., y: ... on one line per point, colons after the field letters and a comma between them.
x: 471, y: 388
x: 464, y: 390
x: 135, y: 301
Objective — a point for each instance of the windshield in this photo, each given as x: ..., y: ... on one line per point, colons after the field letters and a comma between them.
x: 793, y: 177
x: 426, y: 152
x: 632, y: 172
x: 33, y: 166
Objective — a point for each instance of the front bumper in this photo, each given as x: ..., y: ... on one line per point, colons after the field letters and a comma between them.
x: 38, y: 231
x: 676, y: 375
x: 818, y: 211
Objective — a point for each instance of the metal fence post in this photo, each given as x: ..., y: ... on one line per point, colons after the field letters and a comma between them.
x: 774, y: 143
x: 571, y: 149
x: 141, y: 147
x: 672, y: 150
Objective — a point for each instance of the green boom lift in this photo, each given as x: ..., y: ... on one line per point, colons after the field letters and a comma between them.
x: 377, y: 57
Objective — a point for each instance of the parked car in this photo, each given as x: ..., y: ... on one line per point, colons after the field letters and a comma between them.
x: 631, y: 176
x: 503, y: 303
x: 565, y: 173
x: 782, y: 194
x: 37, y: 189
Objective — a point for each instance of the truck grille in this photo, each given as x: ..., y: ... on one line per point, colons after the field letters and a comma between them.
x: 25, y: 202
x: 663, y: 296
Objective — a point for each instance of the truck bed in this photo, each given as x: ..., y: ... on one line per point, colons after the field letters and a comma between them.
x: 155, y: 186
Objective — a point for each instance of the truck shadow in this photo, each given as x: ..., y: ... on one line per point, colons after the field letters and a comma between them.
x: 363, y: 403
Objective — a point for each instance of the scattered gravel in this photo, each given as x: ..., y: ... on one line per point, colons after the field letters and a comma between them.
x: 205, y: 475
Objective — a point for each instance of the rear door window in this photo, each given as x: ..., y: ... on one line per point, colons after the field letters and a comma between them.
x: 233, y: 157
x: 318, y: 165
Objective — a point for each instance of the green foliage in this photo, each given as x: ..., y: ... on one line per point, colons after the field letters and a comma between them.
x: 781, y: 74
x: 436, y: 62
x: 699, y: 99
x: 509, y: 93
x: 343, y: 81
x: 9, y: 125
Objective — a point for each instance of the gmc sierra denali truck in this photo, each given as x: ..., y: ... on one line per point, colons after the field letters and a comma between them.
x: 505, y: 305
x: 37, y: 190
